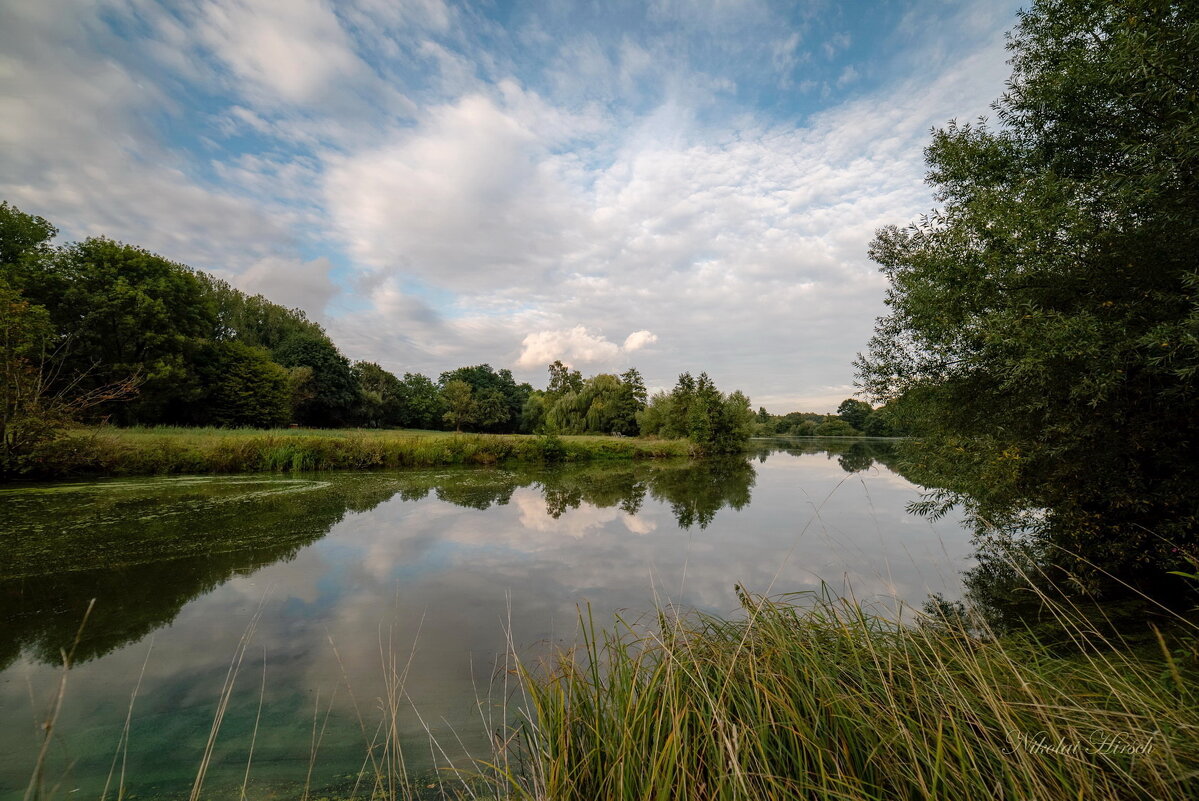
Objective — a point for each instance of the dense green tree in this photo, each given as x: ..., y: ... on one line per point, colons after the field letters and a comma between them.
x: 568, y: 413
x: 24, y: 243
x: 533, y: 413
x: 714, y: 422
x: 252, y: 319
x: 563, y: 379
x: 604, y: 403
x: 734, y: 426
x: 502, y: 399
x: 37, y: 401
x: 332, y: 390
x: 703, y: 410
x: 461, y: 407
x: 598, y: 407
x: 242, y: 387
x: 651, y: 421
x: 494, y: 410
x: 383, y: 401
x: 631, y: 400
x: 1044, y: 321
x: 125, y: 311
x: 876, y: 425
x: 797, y: 423
x: 25, y: 421
x: 678, y: 414
x: 423, y: 406
x: 855, y: 412
x: 835, y: 427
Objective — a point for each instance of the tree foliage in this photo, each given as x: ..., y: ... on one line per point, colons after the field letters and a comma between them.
x: 37, y: 399
x: 423, y: 407
x: 500, y: 400
x: 126, y: 311
x: 855, y: 412
x: 695, y: 409
x: 242, y: 388
x: 333, y: 390
x: 1045, y: 318
x: 570, y: 404
x: 462, y: 409
x: 24, y: 240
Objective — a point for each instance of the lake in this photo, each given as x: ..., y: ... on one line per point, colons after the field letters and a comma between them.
x: 301, y: 599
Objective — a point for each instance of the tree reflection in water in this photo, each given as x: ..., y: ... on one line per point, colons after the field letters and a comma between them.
x: 146, y: 548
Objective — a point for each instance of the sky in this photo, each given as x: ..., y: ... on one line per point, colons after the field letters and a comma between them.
x: 672, y: 185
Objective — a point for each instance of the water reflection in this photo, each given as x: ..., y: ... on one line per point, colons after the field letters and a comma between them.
x: 145, y: 548
x: 446, y: 563
x: 695, y: 492
x: 852, y: 455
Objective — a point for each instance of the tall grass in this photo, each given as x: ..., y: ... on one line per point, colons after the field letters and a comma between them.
x: 172, y: 451
x: 819, y: 700
x: 826, y: 701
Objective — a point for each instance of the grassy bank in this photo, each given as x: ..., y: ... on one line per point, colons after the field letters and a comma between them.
x: 829, y: 702
x: 156, y: 451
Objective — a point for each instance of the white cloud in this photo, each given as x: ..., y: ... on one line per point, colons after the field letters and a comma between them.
x: 639, y: 339
x: 77, y: 147
x: 577, y: 346
x: 433, y: 14
x: 469, y: 199
x: 291, y: 282
x: 293, y: 50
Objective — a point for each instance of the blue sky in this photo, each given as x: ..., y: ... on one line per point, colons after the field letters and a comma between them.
x: 673, y: 185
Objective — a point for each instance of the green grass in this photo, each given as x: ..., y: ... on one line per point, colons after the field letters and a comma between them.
x: 163, y: 450
x: 825, y: 701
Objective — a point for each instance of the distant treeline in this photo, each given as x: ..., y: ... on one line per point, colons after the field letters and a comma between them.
x: 854, y: 418
x: 99, y: 329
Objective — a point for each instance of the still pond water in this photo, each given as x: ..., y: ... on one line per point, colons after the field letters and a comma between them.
x: 324, y: 575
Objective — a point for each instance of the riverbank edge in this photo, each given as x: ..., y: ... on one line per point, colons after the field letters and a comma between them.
x: 132, y: 452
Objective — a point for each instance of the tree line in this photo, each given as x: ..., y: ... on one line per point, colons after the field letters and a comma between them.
x: 854, y: 418
x: 102, y: 330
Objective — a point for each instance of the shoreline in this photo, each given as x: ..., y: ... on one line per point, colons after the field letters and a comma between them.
x: 114, y: 452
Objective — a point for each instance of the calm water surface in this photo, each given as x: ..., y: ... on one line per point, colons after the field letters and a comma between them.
x: 327, y: 576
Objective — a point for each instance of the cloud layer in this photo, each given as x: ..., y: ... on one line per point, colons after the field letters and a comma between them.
x: 444, y: 186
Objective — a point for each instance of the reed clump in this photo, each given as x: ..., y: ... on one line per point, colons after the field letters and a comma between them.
x: 823, y: 700
x: 160, y: 451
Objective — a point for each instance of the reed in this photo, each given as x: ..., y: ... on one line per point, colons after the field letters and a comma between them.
x: 823, y: 700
